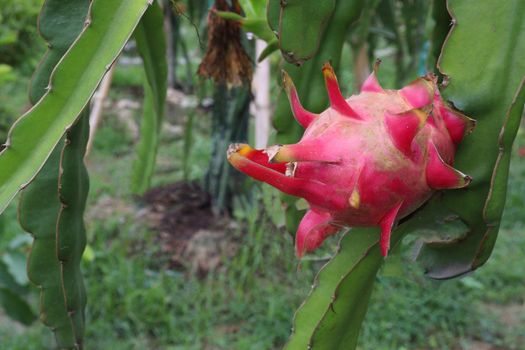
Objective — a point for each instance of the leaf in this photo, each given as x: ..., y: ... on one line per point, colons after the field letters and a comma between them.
x: 15, y: 263
x: 254, y: 21
x: 151, y: 44
x: 232, y: 16
x: 268, y: 50
x: 144, y: 165
x: 7, y: 280
x: 32, y: 138
x: 482, y: 58
x: 253, y: 8
x: 15, y: 307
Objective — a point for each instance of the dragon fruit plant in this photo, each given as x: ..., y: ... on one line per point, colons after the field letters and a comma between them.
x: 368, y: 160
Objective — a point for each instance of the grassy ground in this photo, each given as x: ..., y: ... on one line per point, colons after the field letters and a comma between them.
x: 249, y: 300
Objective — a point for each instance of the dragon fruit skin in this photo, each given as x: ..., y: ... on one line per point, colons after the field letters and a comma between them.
x: 368, y: 160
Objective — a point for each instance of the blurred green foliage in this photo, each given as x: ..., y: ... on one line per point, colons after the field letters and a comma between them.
x: 13, y: 97
x: 18, y: 33
x: 14, y: 285
x: 20, y: 49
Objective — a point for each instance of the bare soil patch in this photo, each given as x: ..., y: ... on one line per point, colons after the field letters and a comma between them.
x: 190, y: 236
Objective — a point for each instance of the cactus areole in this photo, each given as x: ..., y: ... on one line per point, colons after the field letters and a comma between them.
x: 368, y: 160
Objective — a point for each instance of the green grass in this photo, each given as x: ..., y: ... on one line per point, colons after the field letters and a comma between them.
x: 248, y: 303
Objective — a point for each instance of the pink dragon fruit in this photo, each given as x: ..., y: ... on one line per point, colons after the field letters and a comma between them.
x: 369, y: 160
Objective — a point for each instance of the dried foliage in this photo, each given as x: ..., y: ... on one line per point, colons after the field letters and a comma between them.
x: 225, y: 60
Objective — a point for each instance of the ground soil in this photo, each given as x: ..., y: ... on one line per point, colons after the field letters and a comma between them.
x: 190, y: 236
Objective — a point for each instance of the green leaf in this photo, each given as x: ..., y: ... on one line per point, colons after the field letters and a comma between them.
x: 144, y: 163
x: 483, y: 60
x: 254, y: 20
x: 16, y: 307
x: 254, y: 8
x: 151, y: 44
x: 232, y: 16
x: 268, y: 50
x: 8, y: 280
x: 33, y: 137
x: 15, y: 263
x: 305, y: 19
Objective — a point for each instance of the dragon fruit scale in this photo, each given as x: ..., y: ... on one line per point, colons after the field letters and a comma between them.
x: 368, y: 160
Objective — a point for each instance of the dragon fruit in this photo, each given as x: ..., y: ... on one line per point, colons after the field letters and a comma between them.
x: 368, y: 160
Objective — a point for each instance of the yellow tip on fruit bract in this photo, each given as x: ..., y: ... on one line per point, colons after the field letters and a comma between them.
x: 355, y: 199
x: 287, y: 81
x: 244, y: 150
x: 328, y: 71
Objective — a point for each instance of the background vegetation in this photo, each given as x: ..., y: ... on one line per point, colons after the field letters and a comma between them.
x: 239, y: 286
